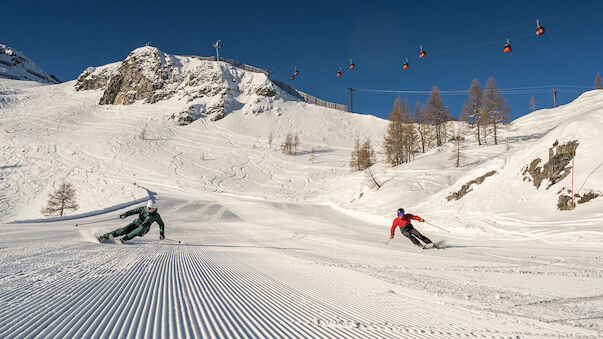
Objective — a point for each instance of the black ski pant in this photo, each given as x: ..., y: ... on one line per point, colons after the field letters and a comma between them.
x: 411, y: 233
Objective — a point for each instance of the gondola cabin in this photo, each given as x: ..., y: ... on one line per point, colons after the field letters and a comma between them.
x: 292, y: 76
x: 405, y: 65
x: 507, y: 48
x: 539, y: 29
x: 296, y: 73
x: 422, y: 54
x: 352, y: 66
x: 339, y: 74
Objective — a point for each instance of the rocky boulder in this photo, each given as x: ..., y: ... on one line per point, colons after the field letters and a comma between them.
x: 555, y: 169
x: 143, y: 75
x: 96, y: 78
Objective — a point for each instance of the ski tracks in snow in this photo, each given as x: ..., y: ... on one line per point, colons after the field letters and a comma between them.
x: 167, y: 291
x: 150, y: 290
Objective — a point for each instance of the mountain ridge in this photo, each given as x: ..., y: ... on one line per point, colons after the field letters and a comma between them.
x: 17, y: 66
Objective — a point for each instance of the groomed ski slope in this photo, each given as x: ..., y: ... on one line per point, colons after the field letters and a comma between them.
x: 251, y: 269
x: 274, y: 245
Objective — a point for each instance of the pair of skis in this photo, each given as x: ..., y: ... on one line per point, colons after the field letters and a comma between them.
x: 103, y: 239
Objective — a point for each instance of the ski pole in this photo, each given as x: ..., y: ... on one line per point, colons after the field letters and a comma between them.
x: 388, y: 241
x: 94, y: 222
x: 178, y: 241
x: 437, y: 226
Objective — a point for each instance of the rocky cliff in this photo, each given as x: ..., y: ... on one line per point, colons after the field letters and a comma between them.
x: 201, y: 87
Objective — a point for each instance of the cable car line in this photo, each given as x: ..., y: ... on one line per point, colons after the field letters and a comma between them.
x: 540, y: 30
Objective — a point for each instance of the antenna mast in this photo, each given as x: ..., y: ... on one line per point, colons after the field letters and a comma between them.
x: 217, y: 46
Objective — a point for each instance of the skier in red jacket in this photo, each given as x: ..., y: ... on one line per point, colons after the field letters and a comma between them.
x: 403, y: 220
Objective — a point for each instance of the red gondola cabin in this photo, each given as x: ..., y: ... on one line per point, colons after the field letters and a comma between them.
x: 539, y: 29
x: 507, y: 47
x: 292, y: 77
x: 405, y: 65
x: 296, y: 72
x: 422, y: 54
x: 352, y: 66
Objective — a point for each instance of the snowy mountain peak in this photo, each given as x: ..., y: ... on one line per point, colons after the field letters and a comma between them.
x: 15, y: 65
x: 202, y: 87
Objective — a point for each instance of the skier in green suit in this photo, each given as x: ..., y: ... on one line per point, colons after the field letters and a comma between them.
x: 140, y: 226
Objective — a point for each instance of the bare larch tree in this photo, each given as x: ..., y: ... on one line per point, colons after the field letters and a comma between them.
x: 438, y: 115
x: 495, y: 106
x: 61, y: 200
x: 472, y: 110
x: 363, y: 155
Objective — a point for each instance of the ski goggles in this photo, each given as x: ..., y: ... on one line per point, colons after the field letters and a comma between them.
x: 401, y: 214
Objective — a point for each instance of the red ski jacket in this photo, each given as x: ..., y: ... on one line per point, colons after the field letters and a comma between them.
x: 404, y: 221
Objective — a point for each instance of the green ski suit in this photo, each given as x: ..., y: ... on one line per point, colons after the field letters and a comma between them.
x: 140, y: 226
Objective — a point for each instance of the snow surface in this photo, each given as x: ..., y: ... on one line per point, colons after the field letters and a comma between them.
x: 287, y: 246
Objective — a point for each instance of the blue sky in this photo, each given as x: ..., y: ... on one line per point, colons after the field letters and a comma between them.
x: 319, y: 37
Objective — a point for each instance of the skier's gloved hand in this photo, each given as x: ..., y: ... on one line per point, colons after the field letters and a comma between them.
x: 121, y: 216
x: 422, y: 220
x: 161, y: 237
x: 391, y: 236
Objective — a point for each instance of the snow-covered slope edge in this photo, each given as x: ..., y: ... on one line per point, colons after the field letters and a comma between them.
x: 55, y: 133
x: 507, y: 203
x: 15, y: 65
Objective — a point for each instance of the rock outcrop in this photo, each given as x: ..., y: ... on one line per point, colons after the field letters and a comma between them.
x: 555, y: 169
x: 96, y: 78
x: 142, y: 76
x: 205, y: 88
x: 467, y: 187
x: 566, y: 203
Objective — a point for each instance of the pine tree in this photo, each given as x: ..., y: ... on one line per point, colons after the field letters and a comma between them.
x: 60, y: 200
x: 532, y: 104
x: 495, y: 106
x: 438, y: 115
x: 598, y: 82
x: 472, y: 110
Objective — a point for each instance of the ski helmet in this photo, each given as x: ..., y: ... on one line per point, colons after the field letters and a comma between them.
x: 400, y: 212
x: 151, y: 204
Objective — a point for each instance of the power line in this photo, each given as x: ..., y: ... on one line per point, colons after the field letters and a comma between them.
x: 505, y: 91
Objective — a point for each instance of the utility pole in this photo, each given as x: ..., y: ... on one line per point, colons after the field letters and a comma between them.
x: 217, y: 47
x: 555, y: 97
x: 351, y: 99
